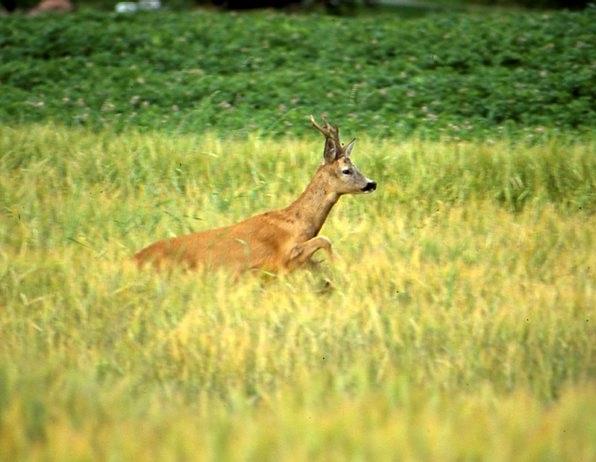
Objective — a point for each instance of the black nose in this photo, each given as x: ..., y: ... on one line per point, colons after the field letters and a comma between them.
x: 370, y: 186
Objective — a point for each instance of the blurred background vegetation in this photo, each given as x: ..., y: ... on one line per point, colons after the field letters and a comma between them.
x: 461, y: 74
x: 339, y: 7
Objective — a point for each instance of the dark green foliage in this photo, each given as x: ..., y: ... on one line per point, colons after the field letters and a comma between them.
x: 444, y: 74
x: 569, y: 4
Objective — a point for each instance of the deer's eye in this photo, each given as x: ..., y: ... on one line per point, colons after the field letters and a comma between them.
x: 347, y: 171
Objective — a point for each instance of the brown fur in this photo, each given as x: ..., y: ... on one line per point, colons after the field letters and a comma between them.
x: 278, y: 241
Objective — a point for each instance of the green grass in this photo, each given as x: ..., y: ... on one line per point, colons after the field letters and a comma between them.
x: 458, y: 324
x: 462, y: 75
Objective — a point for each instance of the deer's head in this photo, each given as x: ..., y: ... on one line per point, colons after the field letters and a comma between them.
x: 341, y: 173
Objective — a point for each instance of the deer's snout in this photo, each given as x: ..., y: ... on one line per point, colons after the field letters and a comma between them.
x: 370, y: 186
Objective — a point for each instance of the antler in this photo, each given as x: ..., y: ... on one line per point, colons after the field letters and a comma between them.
x: 329, y: 131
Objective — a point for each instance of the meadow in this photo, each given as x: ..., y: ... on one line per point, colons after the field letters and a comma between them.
x: 458, y: 322
x: 457, y: 325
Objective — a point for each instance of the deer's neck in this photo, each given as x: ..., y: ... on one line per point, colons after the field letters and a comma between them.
x: 310, y: 210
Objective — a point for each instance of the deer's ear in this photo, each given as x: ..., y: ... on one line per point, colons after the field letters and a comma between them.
x: 330, y: 153
x: 348, y: 148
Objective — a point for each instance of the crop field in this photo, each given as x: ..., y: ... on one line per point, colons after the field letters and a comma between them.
x: 461, y: 75
x: 458, y: 323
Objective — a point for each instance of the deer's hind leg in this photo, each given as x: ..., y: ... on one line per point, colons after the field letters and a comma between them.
x: 302, y: 252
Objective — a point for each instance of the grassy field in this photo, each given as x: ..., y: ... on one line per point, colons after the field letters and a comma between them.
x: 458, y: 324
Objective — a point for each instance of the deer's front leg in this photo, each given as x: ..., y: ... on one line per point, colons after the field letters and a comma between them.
x: 302, y: 252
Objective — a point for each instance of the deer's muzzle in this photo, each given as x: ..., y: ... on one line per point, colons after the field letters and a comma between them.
x: 370, y: 186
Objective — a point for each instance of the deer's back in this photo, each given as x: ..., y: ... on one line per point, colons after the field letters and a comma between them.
x: 262, y: 241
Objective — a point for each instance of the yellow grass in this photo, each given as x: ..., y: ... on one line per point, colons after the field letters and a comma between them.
x: 458, y: 323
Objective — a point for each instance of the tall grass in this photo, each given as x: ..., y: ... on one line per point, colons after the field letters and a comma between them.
x: 457, y: 324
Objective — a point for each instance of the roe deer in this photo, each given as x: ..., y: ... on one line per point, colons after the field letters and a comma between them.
x: 279, y: 240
